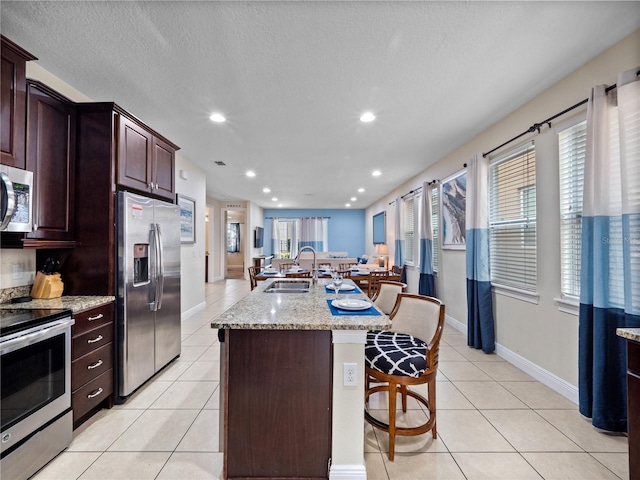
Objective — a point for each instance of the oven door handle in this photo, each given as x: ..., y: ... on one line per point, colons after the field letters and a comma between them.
x: 35, y: 337
x: 11, y: 200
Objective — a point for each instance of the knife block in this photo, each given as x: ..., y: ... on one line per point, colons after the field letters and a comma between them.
x: 47, y: 286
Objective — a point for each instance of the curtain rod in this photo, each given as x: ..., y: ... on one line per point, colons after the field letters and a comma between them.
x: 538, y: 126
x: 291, y: 218
x: 417, y: 190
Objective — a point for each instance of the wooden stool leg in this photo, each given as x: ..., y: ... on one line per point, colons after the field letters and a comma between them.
x: 393, y: 392
x: 431, y: 385
x: 403, y: 390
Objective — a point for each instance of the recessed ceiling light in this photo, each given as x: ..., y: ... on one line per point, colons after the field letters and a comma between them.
x: 217, y: 117
x: 347, y: 204
x: 274, y: 199
x: 367, y: 117
x: 353, y: 199
x: 376, y: 173
x: 251, y: 173
x: 266, y: 189
x: 360, y: 190
x: 279, y: 205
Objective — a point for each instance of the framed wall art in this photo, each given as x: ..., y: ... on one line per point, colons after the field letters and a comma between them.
x: 453, y: 209
x: 187, y: 219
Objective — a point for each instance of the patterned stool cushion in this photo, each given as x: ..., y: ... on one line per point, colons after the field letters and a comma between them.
x: 396, y: 353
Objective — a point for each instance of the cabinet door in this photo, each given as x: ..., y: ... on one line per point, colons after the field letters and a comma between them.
x: 135, y: 156
x: 13, y: 112
x: 164, y: 169
x: 51, y: 155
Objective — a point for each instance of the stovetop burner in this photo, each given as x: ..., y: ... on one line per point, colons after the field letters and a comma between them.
x: 13, y: 320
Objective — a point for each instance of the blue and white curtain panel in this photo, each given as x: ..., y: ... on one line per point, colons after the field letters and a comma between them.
x: 275, y: 244
x: 312, y: 233
x: 610, y: 249
x: 480, y: 322
x: 398, y: 258
x: 427, y: 281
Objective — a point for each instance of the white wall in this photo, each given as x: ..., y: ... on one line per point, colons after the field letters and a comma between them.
x: 538, y: 335
x: 255, y: 218
x: 192, y: 259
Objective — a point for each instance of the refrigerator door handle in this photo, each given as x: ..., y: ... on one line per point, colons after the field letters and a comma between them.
x: 153, y: 285
x: 160, y: 285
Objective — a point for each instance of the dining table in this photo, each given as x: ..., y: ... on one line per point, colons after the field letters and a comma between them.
x: 360, y: 276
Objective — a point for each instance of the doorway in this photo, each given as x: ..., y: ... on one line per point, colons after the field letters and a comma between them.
x: 235, y: 241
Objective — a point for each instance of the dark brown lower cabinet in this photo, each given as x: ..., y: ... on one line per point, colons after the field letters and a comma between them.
x: 633, y: 407
x: 92, y: 355
x: 277, y: 404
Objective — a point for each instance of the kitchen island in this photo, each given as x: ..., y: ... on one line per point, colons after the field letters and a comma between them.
x: 284, y: 408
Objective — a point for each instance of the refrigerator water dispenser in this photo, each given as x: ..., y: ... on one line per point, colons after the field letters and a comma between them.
x: 140, y: 264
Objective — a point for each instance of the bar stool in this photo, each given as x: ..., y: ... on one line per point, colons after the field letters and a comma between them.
x: 405, y: 356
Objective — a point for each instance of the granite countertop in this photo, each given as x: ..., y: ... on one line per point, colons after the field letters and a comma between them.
x: 629, y: 333
x: 76, y: 303
x: 295, y: 311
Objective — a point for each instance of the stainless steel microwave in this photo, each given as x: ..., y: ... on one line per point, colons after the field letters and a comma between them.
x: 16, y: 199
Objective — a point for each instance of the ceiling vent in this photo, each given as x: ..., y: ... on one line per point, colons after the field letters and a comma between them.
x: 220, y: 163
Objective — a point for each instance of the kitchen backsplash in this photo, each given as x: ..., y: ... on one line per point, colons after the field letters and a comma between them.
x: 17, y: 267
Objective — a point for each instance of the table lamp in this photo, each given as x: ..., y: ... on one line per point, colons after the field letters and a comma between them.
x: 382, y: 251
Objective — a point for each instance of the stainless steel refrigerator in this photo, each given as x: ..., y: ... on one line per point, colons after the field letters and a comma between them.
x: 148, y: 286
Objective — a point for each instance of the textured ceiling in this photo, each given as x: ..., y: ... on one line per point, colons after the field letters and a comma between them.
x: 293, y: 78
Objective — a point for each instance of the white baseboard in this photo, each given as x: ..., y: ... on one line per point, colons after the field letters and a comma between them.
x: 348, y: 472
x: 192, y: 311
x: 545, y: 377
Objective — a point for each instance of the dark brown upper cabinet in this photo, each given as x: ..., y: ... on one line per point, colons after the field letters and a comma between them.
x: 51, y: 156
x: 145, y: 161
x: 13, y: 103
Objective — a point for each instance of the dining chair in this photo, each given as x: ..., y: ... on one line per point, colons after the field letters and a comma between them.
x: 374, y: 282
x: 396, y: 272
x: 347, y: 266
x: 405, y: 356
x: 286, y: 266
x: 306, y: 274
x: 252, y: 277
x: 385, y: 297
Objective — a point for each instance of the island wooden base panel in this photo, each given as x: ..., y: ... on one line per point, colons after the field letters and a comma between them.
x: 277, y: 401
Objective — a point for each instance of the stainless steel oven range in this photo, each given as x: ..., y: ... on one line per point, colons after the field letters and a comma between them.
x: 35, y: 389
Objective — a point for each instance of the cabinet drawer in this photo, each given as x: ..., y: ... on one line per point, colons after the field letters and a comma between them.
x: 91, y: 394
x: 90, y: 366
x: 91, y: 340
x: 90, y: 319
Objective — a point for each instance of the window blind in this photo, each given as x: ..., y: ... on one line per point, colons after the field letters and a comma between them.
x: 435, y: 202
x: 572, y: 142
x: 512, y: 219
x: 409, y: 229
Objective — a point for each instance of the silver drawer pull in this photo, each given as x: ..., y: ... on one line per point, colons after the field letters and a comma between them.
x: 96, y: 393
x: 94, y: 340
x: 97, y: 317
x: 94, y: 365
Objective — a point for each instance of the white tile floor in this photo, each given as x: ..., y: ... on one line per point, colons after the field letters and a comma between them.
x: 494, y: 422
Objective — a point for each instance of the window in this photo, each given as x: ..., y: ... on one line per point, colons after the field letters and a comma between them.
x: 233, y: 238
x: 572, y: 150
x: 408, y: 225
x: 285, y: 230
x: 512, y: 219
x: 435, y: 232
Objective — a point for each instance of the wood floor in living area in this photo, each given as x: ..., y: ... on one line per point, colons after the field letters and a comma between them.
x: 494, y: 422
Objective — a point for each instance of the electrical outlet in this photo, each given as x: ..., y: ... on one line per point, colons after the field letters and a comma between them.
x: 18, y: 271
x: 350, y: 374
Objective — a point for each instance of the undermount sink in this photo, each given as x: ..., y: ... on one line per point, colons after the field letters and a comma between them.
x: 296, y: 286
